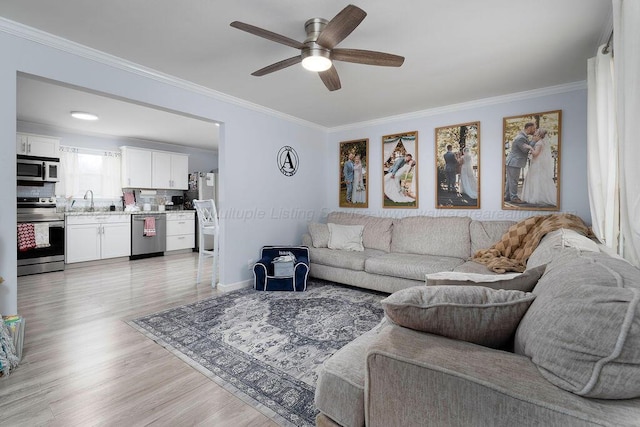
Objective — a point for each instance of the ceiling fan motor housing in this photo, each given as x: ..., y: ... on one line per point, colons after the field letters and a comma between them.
x: 313, y: 27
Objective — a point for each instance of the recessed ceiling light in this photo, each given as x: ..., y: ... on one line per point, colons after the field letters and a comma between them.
x: 83, y: 115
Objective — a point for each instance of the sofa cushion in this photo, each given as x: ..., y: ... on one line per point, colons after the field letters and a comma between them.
x: 340, y: 385
x: 552, y: 244
x: 485, y: 233
x: 476, y: 314
x: 524, y: 282
x: 319, y: 234
x: 377, y: 231
x: 440, y: 236
x: 583, y: 329
x: 345, y: 237
x: 409, y: 266
x: 350, y: 260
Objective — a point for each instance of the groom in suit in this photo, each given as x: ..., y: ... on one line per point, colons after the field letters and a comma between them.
x: 516, y: 160
x: 399, y: 163
x: 450, y: 168
x: 347, y: 170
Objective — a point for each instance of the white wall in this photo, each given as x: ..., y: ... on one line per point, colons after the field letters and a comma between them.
x: 571, y: 99
x: 250, y: 140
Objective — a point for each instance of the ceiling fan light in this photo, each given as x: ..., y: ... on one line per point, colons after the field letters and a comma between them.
x: 316, y: 63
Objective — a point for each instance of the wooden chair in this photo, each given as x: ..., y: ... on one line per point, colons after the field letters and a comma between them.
x: 208, y: 226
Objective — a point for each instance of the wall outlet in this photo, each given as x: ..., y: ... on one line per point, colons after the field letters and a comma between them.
x: 250, y: 263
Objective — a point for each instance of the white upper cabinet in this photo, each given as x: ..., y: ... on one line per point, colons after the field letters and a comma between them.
x: 180, y: 171
x: 136, y: 167
x: 37, y: 145
x: 170, y: 170
x: 142, y: 168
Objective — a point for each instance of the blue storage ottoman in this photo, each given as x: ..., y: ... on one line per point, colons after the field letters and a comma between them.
x: 289, y: 271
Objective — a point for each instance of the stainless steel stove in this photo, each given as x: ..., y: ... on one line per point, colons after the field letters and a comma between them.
x: 37, y: 208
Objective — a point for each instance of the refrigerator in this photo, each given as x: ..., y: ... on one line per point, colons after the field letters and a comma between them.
x: 202, y: 186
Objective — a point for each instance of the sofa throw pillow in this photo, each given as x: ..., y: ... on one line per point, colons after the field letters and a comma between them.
x: 377, y: 231
x: 524, y: 282
x: 476, y: 314
x: 319, y: 234
x: 583, y: 329
x: 345, y: 237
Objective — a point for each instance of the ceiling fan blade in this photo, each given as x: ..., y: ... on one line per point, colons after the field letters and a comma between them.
x: 330, y: 78
x: 277, y: 66
x: 260, y: 32
x: 368, y: 57
x: 341, y: 26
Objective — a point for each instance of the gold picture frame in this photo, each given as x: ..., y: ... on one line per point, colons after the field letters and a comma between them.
x: 354, y: 174
x: 400, y: 171
x: 531, y: 162
x: 457, y: 154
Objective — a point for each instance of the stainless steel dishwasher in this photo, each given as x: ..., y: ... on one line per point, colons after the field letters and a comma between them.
x: 143, y: 245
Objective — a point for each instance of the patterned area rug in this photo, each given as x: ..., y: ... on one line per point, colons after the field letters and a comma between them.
x: 266, y: 347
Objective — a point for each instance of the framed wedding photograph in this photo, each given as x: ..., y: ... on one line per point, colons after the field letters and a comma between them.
x: 400, y: 171
x: 458, y: 166
x: 354, y: 176
x: 531, y: 161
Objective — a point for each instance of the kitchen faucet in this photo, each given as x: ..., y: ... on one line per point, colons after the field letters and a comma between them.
x: 91, y: 208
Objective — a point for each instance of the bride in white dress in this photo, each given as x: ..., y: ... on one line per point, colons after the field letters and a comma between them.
x: 358, y: 194
x: 539, y: 187
x: 392, y: 188
x: 468, y: 182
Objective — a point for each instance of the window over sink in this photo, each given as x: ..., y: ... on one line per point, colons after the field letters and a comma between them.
x: 84, y: 169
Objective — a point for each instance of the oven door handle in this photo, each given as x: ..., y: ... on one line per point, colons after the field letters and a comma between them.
x: 58, y: 224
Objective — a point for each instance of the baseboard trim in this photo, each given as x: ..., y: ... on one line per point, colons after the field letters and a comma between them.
x: 227, y: 287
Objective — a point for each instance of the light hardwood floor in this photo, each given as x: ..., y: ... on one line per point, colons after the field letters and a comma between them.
x: 83, y: 365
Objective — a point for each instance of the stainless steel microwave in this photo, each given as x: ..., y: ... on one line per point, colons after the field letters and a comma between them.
x: 38, y: 169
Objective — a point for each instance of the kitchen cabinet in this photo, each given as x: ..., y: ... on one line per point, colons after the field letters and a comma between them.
x: 142, y: 168
x: 169, y: 170
x: 136, y: 167
x: 94, y: 237
x: 180, y: 230
x: 37, y: 145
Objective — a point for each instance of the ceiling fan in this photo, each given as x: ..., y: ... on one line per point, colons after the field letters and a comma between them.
x: 318, y: 50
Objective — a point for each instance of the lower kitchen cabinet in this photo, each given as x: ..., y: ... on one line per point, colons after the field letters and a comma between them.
x: 94, y: 237
x: 180, y: 230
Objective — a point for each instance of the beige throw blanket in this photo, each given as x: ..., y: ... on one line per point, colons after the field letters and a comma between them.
x: 518, y: 243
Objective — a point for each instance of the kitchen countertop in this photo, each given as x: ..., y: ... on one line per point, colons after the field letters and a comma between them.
x: 100, y: 213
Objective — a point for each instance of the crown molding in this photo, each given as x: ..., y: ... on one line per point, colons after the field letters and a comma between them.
x: 46, y: 39
x: 518, y: 96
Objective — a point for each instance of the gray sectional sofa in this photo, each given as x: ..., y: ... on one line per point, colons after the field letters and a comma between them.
x: 574, y: 359
x: 398, y: 253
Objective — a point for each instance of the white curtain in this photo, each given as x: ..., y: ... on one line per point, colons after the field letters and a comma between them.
x: 613, y: 148
x: 602, y: 149
x: 111, y: 178
x: 69, y: 179
x: 626, y: 42
x: 390, y: 145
